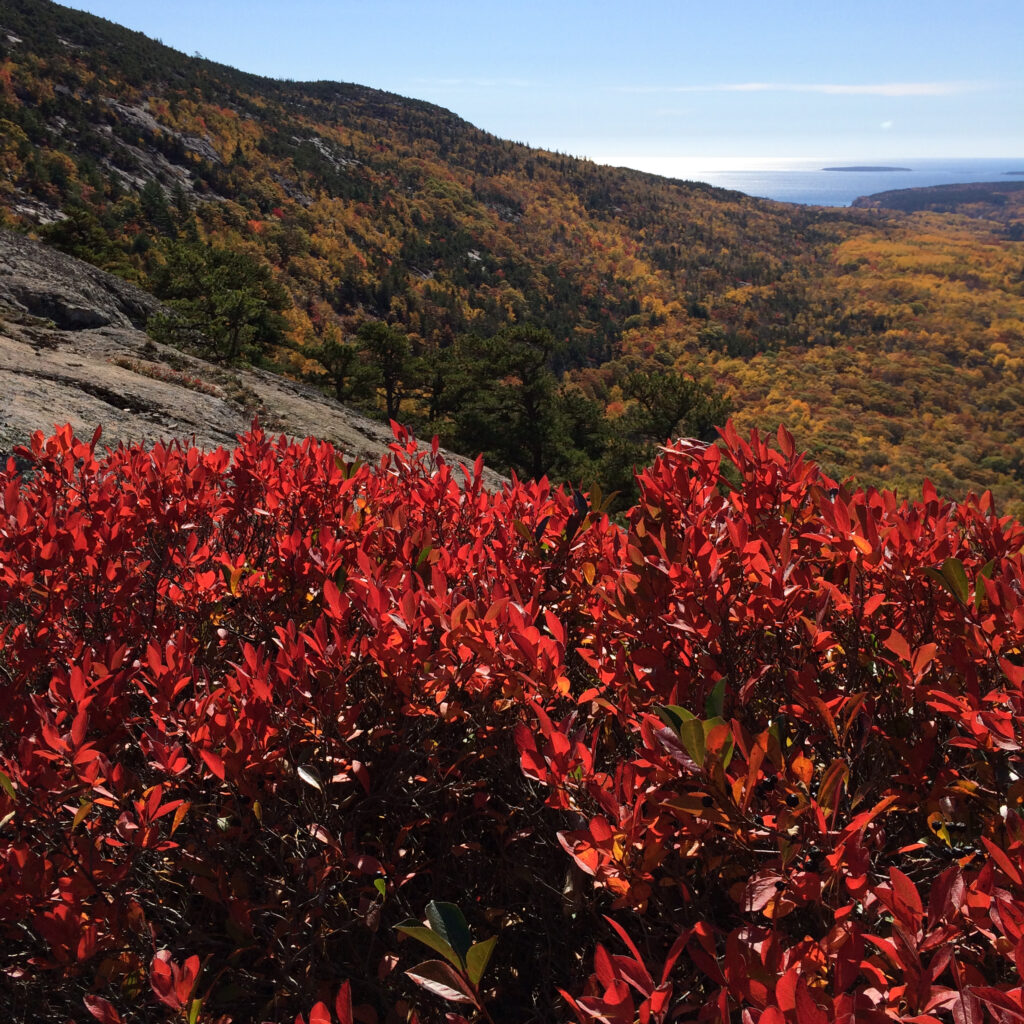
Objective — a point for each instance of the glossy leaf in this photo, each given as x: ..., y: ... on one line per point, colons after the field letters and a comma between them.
x: 309, y: 776
x: 442, y: 980
x: 429, y: 937
x: 479, y: 957
x: 448, y: 921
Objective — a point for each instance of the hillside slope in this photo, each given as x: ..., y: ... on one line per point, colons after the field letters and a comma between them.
x: 892, y: 344
x: 72, y: 351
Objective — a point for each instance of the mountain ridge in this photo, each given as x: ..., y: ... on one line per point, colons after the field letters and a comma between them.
x: 891, y: 344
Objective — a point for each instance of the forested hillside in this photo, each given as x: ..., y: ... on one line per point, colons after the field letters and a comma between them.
x: 563, y: 316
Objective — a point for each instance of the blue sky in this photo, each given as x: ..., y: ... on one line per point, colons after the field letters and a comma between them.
x: 654, y: 84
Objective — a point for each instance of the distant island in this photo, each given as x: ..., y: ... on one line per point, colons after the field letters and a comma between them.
x: 1019, y: 174
x: 867, y: 168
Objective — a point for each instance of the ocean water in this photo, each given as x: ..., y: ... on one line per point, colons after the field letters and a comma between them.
x: 806, y: 181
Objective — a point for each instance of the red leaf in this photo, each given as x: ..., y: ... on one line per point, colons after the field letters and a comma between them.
x: 320, y: 1014
x: 905, y: 892
x: 1002, y: 1000
x: 213, y: 762
x: 440, y: 979
x: 163, y: 976
x: 762, y: 889
x: 185, y: 985
x: 333, y: 598
x: 807, y: 1010
x: 673, y: 955
x: 923, y: 658
x: 343, y: 1004
x: 898, y: 645
x: 1004, y: 862
x: 603, y: 967
x: 630, y: 945
x: 102, y: 1010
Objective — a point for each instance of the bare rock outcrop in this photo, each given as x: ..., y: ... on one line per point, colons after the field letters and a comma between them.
x: 73, y: 350
x: 51, y: 285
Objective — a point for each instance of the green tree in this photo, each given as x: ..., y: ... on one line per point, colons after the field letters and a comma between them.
x: 155, y: 208
x: 666, y: 404
x: 81, y: 234
x: 222, y: 301
x: 669, y: 404
x: 504, y: 399
x: 391, y: 356
x: 348, y: 372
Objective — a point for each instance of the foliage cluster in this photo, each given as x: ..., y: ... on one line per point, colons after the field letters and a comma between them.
x: 222, y: 302
x: 757, y: 756
x: 500, y: 396
x: 893, y: 345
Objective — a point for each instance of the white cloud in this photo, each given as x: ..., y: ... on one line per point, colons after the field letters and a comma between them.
x: 886, y: 125
x: 829, y: 89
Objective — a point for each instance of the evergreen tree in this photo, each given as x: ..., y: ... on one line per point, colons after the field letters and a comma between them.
x: 504, y: 397
x: 348, y: 371
x: 390, y: 354
x: 666, y: 405
x: 156, y: 210
x: 222, y: 301
x: 669, y: 404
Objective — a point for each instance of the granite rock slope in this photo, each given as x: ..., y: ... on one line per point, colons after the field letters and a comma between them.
x: 73, y: 350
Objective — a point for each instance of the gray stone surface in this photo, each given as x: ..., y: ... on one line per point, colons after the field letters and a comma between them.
x: 72, y: 350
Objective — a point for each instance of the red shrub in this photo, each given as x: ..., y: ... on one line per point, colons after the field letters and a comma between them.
x: 259, y: 708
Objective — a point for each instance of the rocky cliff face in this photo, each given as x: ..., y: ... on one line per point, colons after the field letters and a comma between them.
x: 73, y: 350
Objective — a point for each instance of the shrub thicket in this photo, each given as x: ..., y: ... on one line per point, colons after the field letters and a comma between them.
x: 755, y: 757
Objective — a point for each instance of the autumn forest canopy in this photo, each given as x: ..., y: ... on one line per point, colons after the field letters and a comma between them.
x: 386, y: 249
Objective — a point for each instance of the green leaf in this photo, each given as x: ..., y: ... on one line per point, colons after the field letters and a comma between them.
x: 80, y: 815
x: 478, y: 957
x: 346, y: 468
x: 714, y: 706
x: 446, y: 919
x: 524, y: 531
x: 936, y: 577
x: 430, y: 938
x: 953, y: 570
x: 381, y: 886
x: 193, y: 1010
x: 673, y: 715
x: 7, y: 787
x: 691, y: 733
x: 984, y: 573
